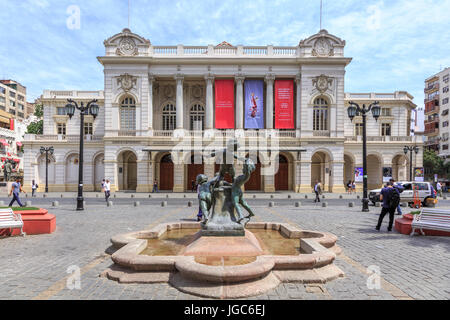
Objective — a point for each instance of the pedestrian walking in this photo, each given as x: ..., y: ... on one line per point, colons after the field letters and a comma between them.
x: 16, y: 189
x: 353, y: 187
x: 155, y: 186
x: 399, y: 189
x: 107, y: 189
x: 103, y: 185
x: 317, y: 190
x: 391, y: 198
x: 34, y: 186
x: 439, y: 188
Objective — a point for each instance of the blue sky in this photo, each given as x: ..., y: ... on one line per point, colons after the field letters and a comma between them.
x: 395, y: 44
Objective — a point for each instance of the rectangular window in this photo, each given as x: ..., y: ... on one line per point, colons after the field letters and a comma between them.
x: 12, y: 103
x: 12, y: 94
x: 21, y: 106
x: 88, y: 128
x: 445, y: 101
x: 445, y: 136
x: 445, y: 124
x: 386, y: 112
x: 2, y: 90
x: 358, y: 129
x: 20, y: 114
x: 445, y: 89
x: 2, y: 100
x: 61, y: 128
x: 445, y: 147
x: 61, y: 111
x: 21, y: 98
x: 445, y: 112
x: 445, y: 78
x: 385, y: 129
x: 2, y: 107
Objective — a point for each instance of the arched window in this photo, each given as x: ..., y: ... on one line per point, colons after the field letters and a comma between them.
x: 197, y: 118
x: 128, y: 114
x: 169, y: 117
x: 320, y: 116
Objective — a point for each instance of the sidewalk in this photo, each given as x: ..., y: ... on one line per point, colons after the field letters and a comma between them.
x: 187, y: 195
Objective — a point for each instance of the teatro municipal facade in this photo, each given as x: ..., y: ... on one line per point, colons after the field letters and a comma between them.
x: 164, y: 109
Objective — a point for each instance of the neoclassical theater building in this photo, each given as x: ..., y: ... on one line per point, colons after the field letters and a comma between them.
x: 164, y: 108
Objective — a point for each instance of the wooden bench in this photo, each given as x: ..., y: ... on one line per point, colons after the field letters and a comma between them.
x: 431, y: 219
x: 11, y: 220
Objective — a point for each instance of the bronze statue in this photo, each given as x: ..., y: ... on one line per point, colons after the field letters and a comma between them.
x: 236, y: 191
x: 221, y: 201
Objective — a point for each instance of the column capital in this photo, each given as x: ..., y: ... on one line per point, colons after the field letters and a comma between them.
x: 298, y: 78
x: 239, y: 78
x: 209, y: 77
x: 270, y: 77
x: 179, y: 77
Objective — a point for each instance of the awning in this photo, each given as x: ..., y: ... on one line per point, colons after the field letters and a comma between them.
x: 19, y: 144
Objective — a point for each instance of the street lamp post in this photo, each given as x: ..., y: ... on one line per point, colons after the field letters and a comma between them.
x: 410, y: 149
x: 70, y: 110
x: 352, y: 111
x: 46, y: 151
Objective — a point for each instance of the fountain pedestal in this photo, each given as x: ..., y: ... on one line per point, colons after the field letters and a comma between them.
x: 222, y: 221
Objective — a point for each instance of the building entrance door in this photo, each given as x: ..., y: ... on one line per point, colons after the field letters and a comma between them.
x: 282, y: 176
x: 166, y: 173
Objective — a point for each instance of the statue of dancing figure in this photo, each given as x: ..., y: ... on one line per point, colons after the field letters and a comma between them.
x: 228, y: 154
x: 205, y: 194
x: 236, y: 191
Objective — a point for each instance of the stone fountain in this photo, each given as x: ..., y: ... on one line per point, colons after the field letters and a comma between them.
x: 225, y: 255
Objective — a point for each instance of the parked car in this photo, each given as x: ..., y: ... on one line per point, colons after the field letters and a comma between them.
x: 407, y: 195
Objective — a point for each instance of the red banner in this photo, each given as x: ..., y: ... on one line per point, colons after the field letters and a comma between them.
x: 224, y: 104
x: 11, y: 124
x: 284, y: 104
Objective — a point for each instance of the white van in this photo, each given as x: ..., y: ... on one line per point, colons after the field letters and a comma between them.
x: 407, y: 195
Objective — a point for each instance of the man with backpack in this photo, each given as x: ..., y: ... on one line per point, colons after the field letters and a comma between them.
x: 400, y: 189
x: 391, y: 199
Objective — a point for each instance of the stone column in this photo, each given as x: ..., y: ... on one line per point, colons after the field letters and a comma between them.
x: 337, y: 177
x: 239, y: 101
x: 209, y: 112
x: 179, y: 104
x: 270, y: 78
x: 151, y: 78
x: 298, y: 102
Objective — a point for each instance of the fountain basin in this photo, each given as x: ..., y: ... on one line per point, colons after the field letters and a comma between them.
x: 224, y: 267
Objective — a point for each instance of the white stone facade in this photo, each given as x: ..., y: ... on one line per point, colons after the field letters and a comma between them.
x: 151, y: 94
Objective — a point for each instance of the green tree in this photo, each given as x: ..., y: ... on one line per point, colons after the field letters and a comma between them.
x: 36, y: 127
x: 434, y: 164
x: 39, y: 111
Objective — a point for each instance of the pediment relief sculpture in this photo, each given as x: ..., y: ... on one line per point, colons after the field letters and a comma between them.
x: 322, y: 83
x: 126, y: 82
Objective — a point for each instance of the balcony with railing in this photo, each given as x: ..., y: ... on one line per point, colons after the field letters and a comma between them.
x: 224, y: 50
x: 431, y: 87
x: 375, y: 139
x: 432, y: 106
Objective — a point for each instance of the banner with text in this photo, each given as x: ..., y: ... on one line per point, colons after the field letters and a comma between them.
x: 224, y: 103
x: 284, y: 104
x: 254, y: 102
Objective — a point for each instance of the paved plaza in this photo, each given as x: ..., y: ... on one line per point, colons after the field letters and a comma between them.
x: 39, y: 266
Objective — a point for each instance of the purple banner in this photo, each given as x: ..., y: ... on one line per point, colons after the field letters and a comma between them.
x: 254, y: 102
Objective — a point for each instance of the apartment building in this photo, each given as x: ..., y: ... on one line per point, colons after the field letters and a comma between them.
x: 437, y: 112
x: 13, y: 100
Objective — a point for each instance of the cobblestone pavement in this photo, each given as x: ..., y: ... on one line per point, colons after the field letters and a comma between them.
x: 36, y: 267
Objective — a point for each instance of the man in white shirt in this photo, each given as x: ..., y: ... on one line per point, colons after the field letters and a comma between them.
x: 317, y: 190
x: 107, y: 187
x: 439, y: 188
